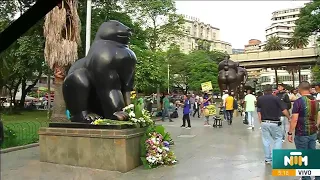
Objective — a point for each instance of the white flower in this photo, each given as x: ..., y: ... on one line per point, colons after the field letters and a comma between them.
x: 159, y: 150
x: 130, y: 106
x: 174, y: 161
x: 153, y: 140
x: 131, y: 114
x: 165, y: 148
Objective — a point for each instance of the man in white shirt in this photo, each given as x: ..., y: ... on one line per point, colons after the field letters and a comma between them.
x: 250, y: 107
x: 224, y: 96
x: 317, y: 87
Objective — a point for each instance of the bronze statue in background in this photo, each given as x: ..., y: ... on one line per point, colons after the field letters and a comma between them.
x: 232, y: 77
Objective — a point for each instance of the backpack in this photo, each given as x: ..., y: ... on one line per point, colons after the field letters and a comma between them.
x: 287, y: 103
x: 235, y: 104
x: 206, y: 112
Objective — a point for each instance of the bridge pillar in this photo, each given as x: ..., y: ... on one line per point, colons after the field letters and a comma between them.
x: 276, y: 74
x: 299, y: 72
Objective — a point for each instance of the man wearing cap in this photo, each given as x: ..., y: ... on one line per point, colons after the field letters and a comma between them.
x: 270, y: 109
x: 284, y: 97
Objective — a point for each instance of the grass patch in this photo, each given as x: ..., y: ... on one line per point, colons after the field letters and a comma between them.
x: 22, y: 128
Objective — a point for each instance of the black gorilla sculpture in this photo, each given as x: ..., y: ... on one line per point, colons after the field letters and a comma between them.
x: 100, y: 83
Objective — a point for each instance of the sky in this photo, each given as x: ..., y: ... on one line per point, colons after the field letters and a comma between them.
x: 238, y: 21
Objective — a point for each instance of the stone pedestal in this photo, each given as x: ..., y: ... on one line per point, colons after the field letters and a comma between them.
x: 107, y: 149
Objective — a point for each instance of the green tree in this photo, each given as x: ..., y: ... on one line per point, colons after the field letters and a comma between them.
x: 25, y: 57
x: 159, y: 18
x: 309, y: 19
x: 62, y: 38
x: 203, y: 45
x: 202, y: 70
x: 273, y: 43
x: 297, y: 42
x: 316, y: 73
x: 217, y: 56
x: 149, y: 71
x: 179, y: 69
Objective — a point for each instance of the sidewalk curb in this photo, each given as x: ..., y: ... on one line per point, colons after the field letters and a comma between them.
x: 7, y: 150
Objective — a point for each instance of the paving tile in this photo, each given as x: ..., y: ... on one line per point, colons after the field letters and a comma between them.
x: 204, y: 153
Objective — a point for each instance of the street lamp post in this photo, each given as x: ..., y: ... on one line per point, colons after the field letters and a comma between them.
x: 88, y: 26
x: 168, y: 78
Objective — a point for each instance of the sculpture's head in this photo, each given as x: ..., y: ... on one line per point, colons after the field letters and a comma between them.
x: 115, y: 31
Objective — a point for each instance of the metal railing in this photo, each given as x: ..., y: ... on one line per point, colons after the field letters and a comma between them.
x: 21, y: 133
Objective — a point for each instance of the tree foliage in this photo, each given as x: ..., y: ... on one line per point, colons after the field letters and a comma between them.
x: 273, y: 43
x: 159, y: 19
x: 203, y: 69
x: 23, y: 61
x: 297, y: 42
x: 309, y: 19
x: 316, y: 73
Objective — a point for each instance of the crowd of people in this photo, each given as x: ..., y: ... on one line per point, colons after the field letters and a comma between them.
x: 283, y: 115
x: 193, y: 105
x: 300, y: 127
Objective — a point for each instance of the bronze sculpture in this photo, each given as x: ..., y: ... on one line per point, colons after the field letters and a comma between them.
x: 231, y: 76
x: 99, y: 85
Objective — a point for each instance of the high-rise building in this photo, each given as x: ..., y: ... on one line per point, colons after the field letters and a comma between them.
x: 283, y: 25
x: 197, y: 30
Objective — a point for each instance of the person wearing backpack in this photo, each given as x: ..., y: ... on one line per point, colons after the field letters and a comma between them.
x: 305, y: 121
x: 285, y: 100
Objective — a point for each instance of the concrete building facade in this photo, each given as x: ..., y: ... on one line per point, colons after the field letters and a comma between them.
x: 197, y: 30
x: 283, y: 25
x: 253, y: 45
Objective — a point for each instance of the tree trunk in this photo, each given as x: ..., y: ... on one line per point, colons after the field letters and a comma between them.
x: 293, y: 85
x: 23, y: 93
x: 299, y: 72
x: 59, y: 107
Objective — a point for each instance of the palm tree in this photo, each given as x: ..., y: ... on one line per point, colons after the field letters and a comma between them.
x: 62, y: 34
x: 297, y: 42
x: 273, y: 43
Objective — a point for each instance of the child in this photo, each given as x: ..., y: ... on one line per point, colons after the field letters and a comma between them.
x: 206, y: 116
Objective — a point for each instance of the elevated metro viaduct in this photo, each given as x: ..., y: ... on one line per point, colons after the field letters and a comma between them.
x: 276, y: 59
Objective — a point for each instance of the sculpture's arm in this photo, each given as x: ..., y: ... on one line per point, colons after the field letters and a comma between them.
x: 127, y: 87
x: 127, y: 81
x: 246, y: 76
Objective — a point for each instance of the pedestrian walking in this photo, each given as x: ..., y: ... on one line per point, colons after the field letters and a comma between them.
x: 250, y: 107
x: 229, y: 102
x: 285, y: 100
x: 192, y: 101
x: 196, y: 108
x: 165, y: 107
x: 305, y: 121
x: 270, y: 110
x: 224, y: 96
x: 186, y: 112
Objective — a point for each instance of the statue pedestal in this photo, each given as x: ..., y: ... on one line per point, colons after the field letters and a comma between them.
x: 107, y: 149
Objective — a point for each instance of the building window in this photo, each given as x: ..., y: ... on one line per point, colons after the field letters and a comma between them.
x: 214, y: 35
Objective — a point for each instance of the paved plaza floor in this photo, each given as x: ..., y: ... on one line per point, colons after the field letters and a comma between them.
x: 204, y: 153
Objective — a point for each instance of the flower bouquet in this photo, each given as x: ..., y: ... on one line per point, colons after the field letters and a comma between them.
x: 137, y: 116
x: 156, y: 148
